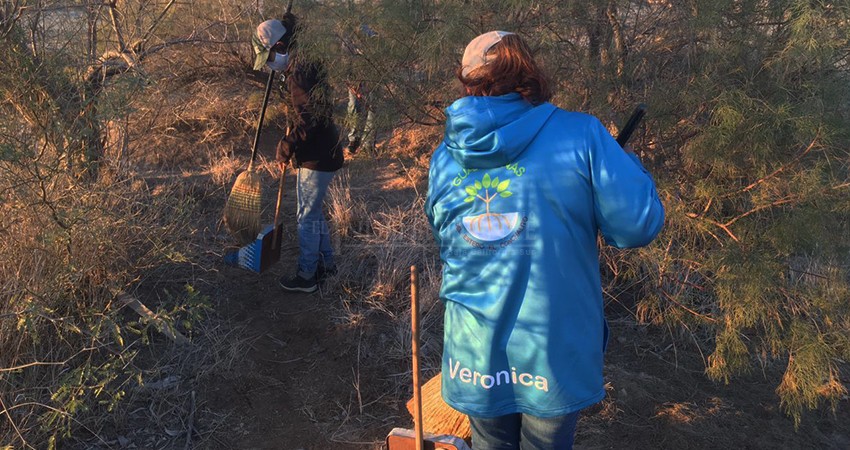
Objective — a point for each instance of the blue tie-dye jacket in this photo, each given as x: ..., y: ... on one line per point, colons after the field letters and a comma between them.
x: 516, y: 196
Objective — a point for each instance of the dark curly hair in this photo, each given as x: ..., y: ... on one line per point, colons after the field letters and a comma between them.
x: 512, y: 70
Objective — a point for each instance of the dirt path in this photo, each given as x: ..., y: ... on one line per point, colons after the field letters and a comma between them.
x: 297, y: 387
x: 299, y: 384
x: 294, y: 388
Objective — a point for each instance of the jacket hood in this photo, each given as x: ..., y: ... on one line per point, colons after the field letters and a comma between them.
x: 487, y: 132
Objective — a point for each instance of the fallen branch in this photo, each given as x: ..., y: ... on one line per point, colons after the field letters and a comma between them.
x: 148, y: 316
x: 46, y: 363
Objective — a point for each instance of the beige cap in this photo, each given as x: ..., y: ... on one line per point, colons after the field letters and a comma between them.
x: 475, y: 54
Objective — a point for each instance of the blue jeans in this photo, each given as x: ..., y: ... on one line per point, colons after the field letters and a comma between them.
x: 523, y: 431
x: 314, y: 237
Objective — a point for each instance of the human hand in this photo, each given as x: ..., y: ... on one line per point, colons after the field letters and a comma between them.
x: 283, y: 152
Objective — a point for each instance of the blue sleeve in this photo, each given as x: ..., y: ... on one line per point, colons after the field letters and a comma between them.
x: 429, y: 201
x: 626, y: 205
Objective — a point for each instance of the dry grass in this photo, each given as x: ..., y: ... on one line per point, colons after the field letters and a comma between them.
x: 194, y: 115
x: 223, y: 170
x: 376, y: 210
x: 413, y: 141
x: 349, y: 215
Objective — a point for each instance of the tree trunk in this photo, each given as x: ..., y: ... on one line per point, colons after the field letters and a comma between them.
x: 617, y: 35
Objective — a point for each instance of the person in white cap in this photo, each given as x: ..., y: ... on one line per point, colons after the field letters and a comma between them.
x: 269, y: 49
x: 517, y: 193
x: 312, y: 144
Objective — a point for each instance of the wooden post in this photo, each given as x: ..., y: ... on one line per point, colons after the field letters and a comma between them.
x: 417, y: 389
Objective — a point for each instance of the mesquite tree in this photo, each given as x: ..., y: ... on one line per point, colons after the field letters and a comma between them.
x: 71, y: 236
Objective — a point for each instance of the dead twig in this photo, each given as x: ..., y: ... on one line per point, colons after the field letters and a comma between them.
x: 724, y: 227
x: 13, y: 424
x: 679, y: 304
x: 189, y: 425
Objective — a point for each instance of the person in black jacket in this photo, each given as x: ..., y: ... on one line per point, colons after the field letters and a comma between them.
x: 311, y: 143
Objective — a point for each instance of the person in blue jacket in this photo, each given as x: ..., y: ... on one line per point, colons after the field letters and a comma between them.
x: 518, y: 191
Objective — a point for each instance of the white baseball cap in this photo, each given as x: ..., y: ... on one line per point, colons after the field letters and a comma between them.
x: 268, y: 33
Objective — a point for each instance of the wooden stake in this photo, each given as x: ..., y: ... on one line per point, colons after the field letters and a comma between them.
x: 417, y: 389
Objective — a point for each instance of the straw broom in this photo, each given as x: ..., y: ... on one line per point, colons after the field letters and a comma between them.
x: 242, y: 211
x: 438, y: 417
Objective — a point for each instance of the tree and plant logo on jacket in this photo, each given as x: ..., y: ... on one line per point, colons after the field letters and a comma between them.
x: 491, y: 225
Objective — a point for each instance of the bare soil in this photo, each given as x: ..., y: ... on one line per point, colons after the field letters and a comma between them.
x: 298, y: 388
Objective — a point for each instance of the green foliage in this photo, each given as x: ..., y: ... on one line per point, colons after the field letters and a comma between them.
x: 755, y: 197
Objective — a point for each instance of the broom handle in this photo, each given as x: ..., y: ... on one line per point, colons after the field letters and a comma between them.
x: 277, y: 207
x: 417, y: 389
x: 260, y: 121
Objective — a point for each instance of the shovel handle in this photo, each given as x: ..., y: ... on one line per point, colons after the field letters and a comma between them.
x: 417, y: 389
x: 631, y: 125
x: 277, y: 206
x: 260, y: 120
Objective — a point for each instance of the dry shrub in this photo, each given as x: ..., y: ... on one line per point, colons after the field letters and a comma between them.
x: 378, y: 245
x: 164, y: 397
x: 194, y: 113
x: 66, y: 249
